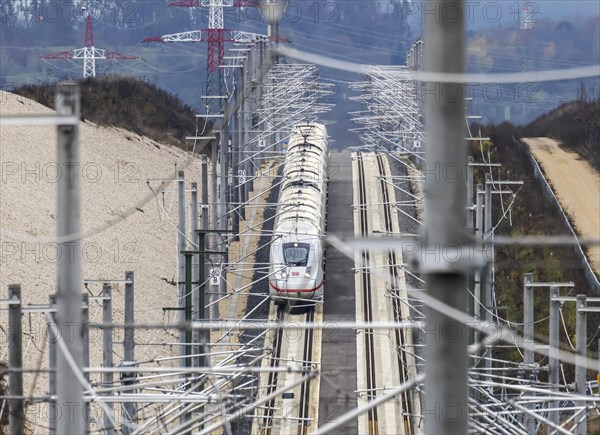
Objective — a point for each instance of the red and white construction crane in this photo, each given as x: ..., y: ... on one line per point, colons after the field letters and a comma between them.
x: 89, y: 53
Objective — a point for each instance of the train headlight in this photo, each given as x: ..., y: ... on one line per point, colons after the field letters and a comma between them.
x: 284, y: 275
x: 307, y: 273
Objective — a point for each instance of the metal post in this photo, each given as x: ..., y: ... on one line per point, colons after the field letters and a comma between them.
x: 469, y: 192
x: 204, y: 193
x: 528, y: 319
x: 261, y: 53
x: 528, y: 340
x: 250, y: 172
x: 235, y: 144
x: 201, y: 292
x: 68, y: 271
x: 107, y: 353
x: 129, y: 353
x: 479, y: 212
x: 553, y: 360
x: 270, y: 110
x: 580, y: 366
x: 85, y: 318
x: 479, y: 313
x: 52, y: 339
x: 243, y: 141
x: 15, y: 362
x: 214, y: 200
x: 260, y: 103
x: 223, y: 221
x: 188, y: 308
x: 181, y: 261
x: 487, y: 287
x: 194, y: 234
x: 487, y: 231
x: 258, y: 107
x: 129, y: 338
x: 188, y: 319
x: 446, y: 359
x: 470, y: 225
x: 224, y: 152
x: 201, y: 257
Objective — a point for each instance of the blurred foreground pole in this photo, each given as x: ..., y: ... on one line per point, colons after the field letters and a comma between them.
x: 107, y: 356
x: 52, y: 338
x: 235, y: 146
x: 68, y: 270
x: 128, y: 379
x: 194, y: 247
x: 15, y: 362
x: 181, y: 243
x: 580, y: 368
x: 553, y: 354
x: 446, y: 410
x: 85, y: 316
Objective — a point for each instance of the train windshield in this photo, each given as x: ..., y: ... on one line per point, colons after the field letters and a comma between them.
x: 296, y: 254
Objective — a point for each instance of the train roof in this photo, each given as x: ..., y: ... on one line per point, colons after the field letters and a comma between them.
x: 300, y: 228
x: 313, y: 134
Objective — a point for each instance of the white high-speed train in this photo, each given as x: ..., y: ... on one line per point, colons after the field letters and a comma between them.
x: 296, y: 270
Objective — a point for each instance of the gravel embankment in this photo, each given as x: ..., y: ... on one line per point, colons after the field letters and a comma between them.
x: 131, y: 230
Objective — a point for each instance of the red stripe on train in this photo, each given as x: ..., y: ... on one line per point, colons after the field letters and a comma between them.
x: 282, y: 290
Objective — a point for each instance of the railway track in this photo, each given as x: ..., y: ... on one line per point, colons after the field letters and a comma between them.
x: 273, y: 376
x: 396, y: 286
x: 307, y: 364
x: 295, y: 410
x: 363, y: 270
x: 387, y: 359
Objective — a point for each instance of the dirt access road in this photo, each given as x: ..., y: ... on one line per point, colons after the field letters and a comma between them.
x: 577, y: 186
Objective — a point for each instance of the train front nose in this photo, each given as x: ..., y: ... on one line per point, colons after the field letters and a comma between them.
x: 296, y: 282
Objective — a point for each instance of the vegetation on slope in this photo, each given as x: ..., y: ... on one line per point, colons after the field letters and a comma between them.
x: 575, y: 124
x: 532, y: 214
x: 128, y: 103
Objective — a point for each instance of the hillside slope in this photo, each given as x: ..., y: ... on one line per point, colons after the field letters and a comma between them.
x: 533, y: 214
x: 576, y: 185
x: 129, y: 103
x: 575, y: 124
x: 115, y: 167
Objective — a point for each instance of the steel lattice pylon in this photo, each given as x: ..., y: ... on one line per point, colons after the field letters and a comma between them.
x: 88, y: 53
x: 216, y: 36
x: 215, y: 49
x: 214, y: 74
x: 215, y: 53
